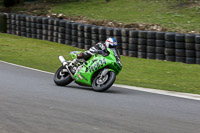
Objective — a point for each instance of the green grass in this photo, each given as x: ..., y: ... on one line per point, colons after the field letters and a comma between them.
x: 156, y: 74
x: 167, y: 14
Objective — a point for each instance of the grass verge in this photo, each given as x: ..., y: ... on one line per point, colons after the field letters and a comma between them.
x: 155, y: 74
x: 165, y: 13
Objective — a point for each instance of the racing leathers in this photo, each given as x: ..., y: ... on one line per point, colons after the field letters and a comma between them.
x: 99, y: 48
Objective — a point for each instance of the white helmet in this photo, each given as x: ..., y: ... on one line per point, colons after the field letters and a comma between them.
x: 110, y: 43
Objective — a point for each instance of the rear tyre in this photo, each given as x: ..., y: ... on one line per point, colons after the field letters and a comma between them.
x: 62, y: 77
x: 103, y: 84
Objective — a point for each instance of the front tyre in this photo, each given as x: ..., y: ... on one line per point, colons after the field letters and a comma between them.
x: 101, y: 84
x: 62, y: 77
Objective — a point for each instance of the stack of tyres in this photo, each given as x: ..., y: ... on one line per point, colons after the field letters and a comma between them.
x: 80, y: 32
x: 125, y: 41
x: 133, y: 43
x: 39, y: 30
x: 45, y: 22
x: 55, y: 30
x: 12, y: 28
x: 142, y: 44
x: 180, y: 48
x: 33, y: 26
x: 68, y: 33
x: 8, y: 23
x: 61, y: 32
x: 151, y: 45
x: 197, y: 49
x: 170, y: 46
x: 87, y: 36
x: 160, y: 46
x: 74, y: 34
x: 94, y: 35
x: 28, y: 26
x: 3, y: 22
x: 117, y: 36
x: 190, y: 49
x: 50, y: 29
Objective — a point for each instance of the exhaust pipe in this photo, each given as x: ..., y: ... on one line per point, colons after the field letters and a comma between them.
x: 64, y: 63
x: 62, y: 60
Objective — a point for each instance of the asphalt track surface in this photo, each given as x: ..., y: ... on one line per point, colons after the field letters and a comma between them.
x: 30, y: 102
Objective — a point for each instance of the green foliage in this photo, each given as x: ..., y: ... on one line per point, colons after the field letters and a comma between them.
x: 156, y: 74
x: 161, y: 12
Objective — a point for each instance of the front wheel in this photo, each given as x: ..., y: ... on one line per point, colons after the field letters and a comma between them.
x: 101, y: 84
x: 62, y: 77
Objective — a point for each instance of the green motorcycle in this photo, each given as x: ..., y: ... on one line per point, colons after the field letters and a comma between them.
x: 99, y: 72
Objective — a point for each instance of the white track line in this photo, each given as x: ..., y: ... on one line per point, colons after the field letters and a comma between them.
x: 162, y: 92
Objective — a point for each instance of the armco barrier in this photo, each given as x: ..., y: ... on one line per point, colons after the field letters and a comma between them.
x: 142, y: 44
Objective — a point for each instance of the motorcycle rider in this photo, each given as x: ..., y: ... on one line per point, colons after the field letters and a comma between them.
x: 99, y: 48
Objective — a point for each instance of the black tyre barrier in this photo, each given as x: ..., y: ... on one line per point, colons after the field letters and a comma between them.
x: 80, y: 27
x: 170, y: 58
x: 190, y: 38
x: 88, y: 42
x: 170, y: 36
x: 68, y: 31
x: 132, y: 47
x: 81, y: 40
x: 74, y: 33
x: 142, y: 55
x: 180, y: 52
x: 87, y: 28
x: 151, y: 56
x: 61, y: 35
x: 125, y: 52
x: 170, y: 44
x: 68, y: 37
x: 117, y: 32
x: 133, y: 40
x: 160, y: 50
x: 94, y: 30
x: 180, y: 59
x: 124, y: 32
x: 160, y: 43
x: 190, y: 60
x: 142, y: 34
x: 143, y: 44
x: 56, y: 28
x: 74, y: 39
x: 160, y: 57
x: 109, y: 32
x: 95, y: 36
x: 125, y: 46
x: 180, y: 38
x: 142, y: 41
x: 55, y: 34
x: 151, y: 49
x: 102, y: 37
x: 180, y: 45
x: 61, y: 29
x: 189, y: 46
x: 151, y: 42
x: 80, y: 33
x: 151, y: 35
x: 132, y: 53
x: 197, y: 47
x: 125, y: 39
x: 197, y: 39
x: 87, y: 47
x: 190, y: 53
x: 87, y: 35
x: 81, y: 45
x: 133, y: 34
x: 102, y: 31
x: 67, y: 42
x: 142, y: 48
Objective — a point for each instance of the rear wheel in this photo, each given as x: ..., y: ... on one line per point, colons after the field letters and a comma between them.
x: 101, y: 84
x: 62, y: 77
